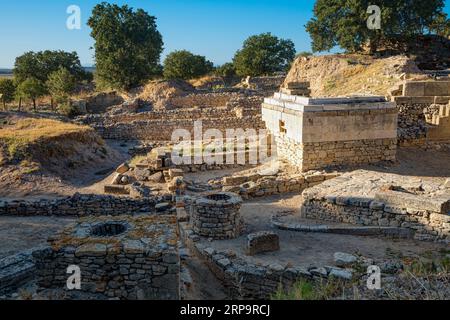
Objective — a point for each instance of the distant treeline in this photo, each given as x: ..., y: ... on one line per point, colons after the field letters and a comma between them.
x: 10, y: 71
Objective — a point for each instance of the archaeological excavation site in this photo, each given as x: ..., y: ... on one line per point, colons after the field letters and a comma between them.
x: 325, y: 179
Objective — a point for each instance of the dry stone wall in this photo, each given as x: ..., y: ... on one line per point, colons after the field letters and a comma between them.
x: 138, y: 261
x: 78, y: 205
x: 427, y: 224
x: 159, y: 125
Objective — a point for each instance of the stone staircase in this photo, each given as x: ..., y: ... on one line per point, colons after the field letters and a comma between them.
x: 439, y: 124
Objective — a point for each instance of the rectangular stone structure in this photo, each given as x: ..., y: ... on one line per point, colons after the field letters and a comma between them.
x: 124, y: 257
x: 322, y: 132
x: 263, y: 241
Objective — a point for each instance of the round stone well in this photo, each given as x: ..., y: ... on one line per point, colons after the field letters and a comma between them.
x: 217, y: 215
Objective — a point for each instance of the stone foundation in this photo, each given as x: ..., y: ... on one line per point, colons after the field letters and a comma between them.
x: 123, y: 257
x: 310, y: 156
x: 217, y: 215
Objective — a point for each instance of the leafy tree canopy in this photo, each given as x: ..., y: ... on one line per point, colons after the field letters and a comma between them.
x: 226, y: 70
x: 186, y: 65
x: 41, y: 64
x: 344, y: 22
x: 7, y: 90
x: 127, y: 45
x: 31, y: 88
x: 264, y: 54
x: 61, y: 83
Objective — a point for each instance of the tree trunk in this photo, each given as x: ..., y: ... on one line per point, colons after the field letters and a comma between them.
x: 4, y: 105
x: 52, y: 105
x: 20, y: 103
x: 34, y: 105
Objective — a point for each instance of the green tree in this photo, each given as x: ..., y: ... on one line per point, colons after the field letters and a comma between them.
x: 7, y: 91
x: 441, y: 25
x: 227, y: 71
x: 60, y: 84
x: 185, y: 65
x: 127, y: 46
x: 264, y: 54
x: 32, y: 89
x: 344, y: 22
x: 41, y: 64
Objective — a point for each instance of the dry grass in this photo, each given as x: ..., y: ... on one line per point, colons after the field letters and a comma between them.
x: 18, y: 134
x: 33, y: 129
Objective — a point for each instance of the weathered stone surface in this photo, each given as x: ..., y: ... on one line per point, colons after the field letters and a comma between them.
x: 263, y: 241
x: 342, y: 259
x: 117, y: 256
x: 123, y: 168
x: 217, y: 215
x: 116, y: 189
x: 156, y: 177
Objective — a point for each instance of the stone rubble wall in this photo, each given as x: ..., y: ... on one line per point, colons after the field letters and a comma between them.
x: 427, y: 225
x: 78, y: 205
x: 310, y: 156
x: 263, y: 186
x: 162, y: 130
x: 127, y: 275
x: 16, y: 270
x: 159, y: 125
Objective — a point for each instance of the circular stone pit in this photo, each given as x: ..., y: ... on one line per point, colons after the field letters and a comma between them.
x: 217, y: 215
x: 108, y: 229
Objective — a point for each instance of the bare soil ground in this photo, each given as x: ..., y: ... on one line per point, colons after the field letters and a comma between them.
x: 304, y: 249
x: 22, y: 233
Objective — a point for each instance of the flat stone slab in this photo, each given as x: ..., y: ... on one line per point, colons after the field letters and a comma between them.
x: 412, y: 201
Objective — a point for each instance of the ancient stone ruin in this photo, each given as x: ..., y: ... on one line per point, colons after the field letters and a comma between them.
x: 314, y: 133
x: 119, y: 257
x: 217, y: 215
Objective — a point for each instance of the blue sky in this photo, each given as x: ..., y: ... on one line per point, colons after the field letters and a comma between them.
x: 213, y: 28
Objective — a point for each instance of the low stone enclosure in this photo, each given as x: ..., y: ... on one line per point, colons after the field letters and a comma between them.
x: 121, y: 257
x: 425, y: 215
x: 317, y: 133
x: 245, y: 280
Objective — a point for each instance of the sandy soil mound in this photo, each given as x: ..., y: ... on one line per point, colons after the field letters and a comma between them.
x: 40, y: 155
x: 156, y: 92
x: 342, y: 75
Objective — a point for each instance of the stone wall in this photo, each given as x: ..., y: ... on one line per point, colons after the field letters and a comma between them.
x: 159, y: 125
x: 139, y: 264
x: 329, y: 154
x: 210, y: 100
x: 78, y: 205
x: 256, y: 186
x: 245, y: 280
x: 412, y: 98
x: 16, y: 270
x: 427, y: 224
